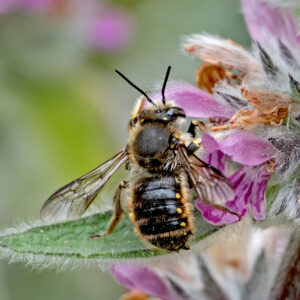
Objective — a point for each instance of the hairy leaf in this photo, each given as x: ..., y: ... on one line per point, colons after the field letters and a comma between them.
x: 71, y: 240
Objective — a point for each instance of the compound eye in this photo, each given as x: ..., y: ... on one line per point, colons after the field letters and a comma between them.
x: 176, y: 112
x: 158, y: 111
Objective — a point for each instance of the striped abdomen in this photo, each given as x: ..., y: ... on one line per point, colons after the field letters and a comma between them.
x: 160, y: 213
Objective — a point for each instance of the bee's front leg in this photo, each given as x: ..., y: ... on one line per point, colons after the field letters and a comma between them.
x: 117, y: 211
x: 196, y: 127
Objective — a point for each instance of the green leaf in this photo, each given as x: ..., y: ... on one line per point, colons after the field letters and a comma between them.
x: 71, y: 240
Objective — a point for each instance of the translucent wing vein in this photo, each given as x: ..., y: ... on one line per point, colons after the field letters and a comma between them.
x: 74, y: 198
x: 211, y: 186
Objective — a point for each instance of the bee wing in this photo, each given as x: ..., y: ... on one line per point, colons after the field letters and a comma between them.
x: 211, y: 186
x: 74, y: 198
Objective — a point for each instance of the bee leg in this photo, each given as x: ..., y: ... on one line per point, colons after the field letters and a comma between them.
x: 186, y: 247
x: 225, y: 209
x: 194, y: 146
x: 117, y: 211
x: 195, y: 126
x: 194, y: 129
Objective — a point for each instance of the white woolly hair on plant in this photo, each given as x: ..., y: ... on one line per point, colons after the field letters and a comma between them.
x: 230, y: 264
x: 287, y: 145
x: 287, y: 202
x: 214, y: 49
x: 62, y: 261
x: 280, y: 82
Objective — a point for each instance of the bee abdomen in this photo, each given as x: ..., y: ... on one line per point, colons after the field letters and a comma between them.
x: 160, y: 214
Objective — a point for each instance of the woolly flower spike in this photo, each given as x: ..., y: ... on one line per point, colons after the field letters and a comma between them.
x: 220, y: 51
x: 244, y: 266
x: 263, y: 89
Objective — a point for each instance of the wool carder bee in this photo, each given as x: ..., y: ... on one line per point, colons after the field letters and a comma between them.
x: 163, y: 171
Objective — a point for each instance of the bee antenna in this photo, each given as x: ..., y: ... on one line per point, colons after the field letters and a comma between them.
x: 137, y: 88
x: 164, y: 85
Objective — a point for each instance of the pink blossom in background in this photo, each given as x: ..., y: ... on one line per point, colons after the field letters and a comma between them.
x: 31, y: 5
x: 111, y: 30
x: 35, y: 4
x: 107, y: 29
x: 4, y: 5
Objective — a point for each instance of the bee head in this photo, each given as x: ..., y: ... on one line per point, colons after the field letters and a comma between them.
x: 159, y: 112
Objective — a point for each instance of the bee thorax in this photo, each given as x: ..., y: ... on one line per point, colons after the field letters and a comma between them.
x: 152, y: 140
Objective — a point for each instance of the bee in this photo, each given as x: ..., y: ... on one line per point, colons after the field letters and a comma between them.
x: 163, y: 171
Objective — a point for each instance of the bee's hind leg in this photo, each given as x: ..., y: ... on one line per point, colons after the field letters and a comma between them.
x: 117, y: 211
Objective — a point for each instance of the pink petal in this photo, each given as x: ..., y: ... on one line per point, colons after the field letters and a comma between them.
x: 242, y: 146
x: 143, y: 279
x: 249, y: 184
x: 215, y: 216
x: 242, y: 182
x: 266, y: 21
x: 257, y: 197
x: 217, y: 159
x: 246, y: 148
x: 209, y: 143
x: 195, y: 102
x: 213, y: 155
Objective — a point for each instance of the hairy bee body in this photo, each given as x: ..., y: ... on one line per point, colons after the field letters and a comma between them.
x: 160, y: 211
x: 163, y: 169
x: 159, y: 198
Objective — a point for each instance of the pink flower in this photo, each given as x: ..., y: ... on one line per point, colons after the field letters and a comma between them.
x: 265, y: 99
x: 249, y: 182
x: 111, y: 30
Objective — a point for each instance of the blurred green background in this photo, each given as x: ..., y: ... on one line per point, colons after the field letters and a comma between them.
x: 63, y: 110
